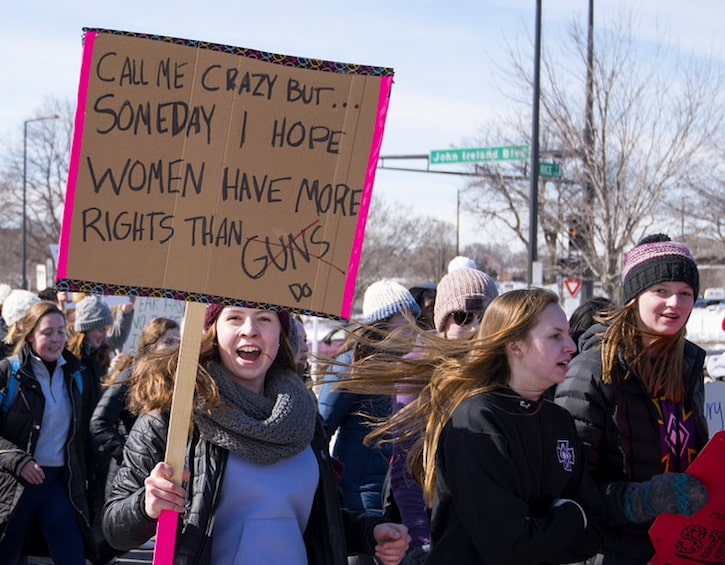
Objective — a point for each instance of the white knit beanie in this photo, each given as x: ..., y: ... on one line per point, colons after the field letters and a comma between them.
x: 92, y: 313
x: 386, y: 298
x: 5, y: 291
x: 461, y: 262
x: 17, y: 304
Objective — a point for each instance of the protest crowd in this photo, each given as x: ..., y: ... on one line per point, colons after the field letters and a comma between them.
x: 455, y: 424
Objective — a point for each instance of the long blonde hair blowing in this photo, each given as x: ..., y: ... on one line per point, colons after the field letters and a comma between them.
x: 660, y: 365
x: 447, y: 373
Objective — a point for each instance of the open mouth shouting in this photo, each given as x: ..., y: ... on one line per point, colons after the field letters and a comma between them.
x: 248, y: 341
x: 249, y: 353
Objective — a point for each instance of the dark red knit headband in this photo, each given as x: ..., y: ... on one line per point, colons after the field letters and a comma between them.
x: 213, y: 311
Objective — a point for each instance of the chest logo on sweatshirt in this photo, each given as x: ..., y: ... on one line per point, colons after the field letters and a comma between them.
x: 565, y: 454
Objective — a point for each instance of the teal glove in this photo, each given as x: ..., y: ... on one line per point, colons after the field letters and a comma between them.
x: 669, y: 493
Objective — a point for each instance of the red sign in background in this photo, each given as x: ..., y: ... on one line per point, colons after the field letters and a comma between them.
x: 679, y: 540
x: 572, y: 285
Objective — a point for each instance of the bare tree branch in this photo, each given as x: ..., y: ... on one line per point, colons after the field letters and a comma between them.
x: 656, y: 119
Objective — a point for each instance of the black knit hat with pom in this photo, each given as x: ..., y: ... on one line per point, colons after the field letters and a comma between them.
x: 657, y: 259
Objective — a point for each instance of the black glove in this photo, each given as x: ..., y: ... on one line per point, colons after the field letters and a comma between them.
x: 561, y: 501
x: 669, y: 493
x: 416, y: 555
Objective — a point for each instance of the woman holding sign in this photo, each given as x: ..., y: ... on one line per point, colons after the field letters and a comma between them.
x: 636, y: 392
x: 259, y: 485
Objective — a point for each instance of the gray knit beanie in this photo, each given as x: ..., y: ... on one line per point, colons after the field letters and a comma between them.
x: 92, y: 313
x: 465, y: 290
x: 386, y: 298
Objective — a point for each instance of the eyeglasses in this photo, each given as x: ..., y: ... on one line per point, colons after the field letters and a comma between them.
x: 465, y: 318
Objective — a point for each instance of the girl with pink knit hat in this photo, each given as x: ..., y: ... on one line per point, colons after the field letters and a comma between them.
x: 636, y: 392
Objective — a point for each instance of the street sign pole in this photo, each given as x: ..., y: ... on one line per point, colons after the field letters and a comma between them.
x: 533, y: 187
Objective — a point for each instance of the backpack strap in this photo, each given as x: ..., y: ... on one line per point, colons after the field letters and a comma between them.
x: 8, y: 393
x: 79, y: 380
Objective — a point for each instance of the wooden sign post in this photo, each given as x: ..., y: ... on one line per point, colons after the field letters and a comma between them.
x: 217, y: 174
x: 179, y: 419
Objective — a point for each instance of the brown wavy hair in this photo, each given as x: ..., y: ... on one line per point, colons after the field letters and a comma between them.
x: 660, y: 365
x: 152, y: 380
x: 102, y: 354
x: 151, y: 333
x: 31, y: 319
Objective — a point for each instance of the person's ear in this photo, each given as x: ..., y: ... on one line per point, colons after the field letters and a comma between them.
x: 514, y: 349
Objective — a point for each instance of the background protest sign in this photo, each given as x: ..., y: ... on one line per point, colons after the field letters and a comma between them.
x: 700, y: 538
x: 715, y: 406
x: 205, y: 172
x: 147, y: 308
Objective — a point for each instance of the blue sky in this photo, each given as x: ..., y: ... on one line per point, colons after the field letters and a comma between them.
x: 441, y: 52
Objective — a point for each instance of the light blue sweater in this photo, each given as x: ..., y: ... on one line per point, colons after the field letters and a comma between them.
x: 263, y: 511
x: 57, y: 414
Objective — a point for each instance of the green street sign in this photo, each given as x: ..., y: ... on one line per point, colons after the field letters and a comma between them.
x: 479, y: 154
x: 550, y: 170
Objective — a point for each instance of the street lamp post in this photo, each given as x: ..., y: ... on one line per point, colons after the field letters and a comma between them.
x: 24, y: 252
x: 587, y: 290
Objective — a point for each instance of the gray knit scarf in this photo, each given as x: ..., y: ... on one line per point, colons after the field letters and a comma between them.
x: 264, y: 428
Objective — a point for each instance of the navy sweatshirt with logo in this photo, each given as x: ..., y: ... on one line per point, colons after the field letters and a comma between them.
x: 503, y: 463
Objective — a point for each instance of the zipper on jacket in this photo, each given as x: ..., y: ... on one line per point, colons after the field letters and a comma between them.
x: 33, y: 434
x: 69, y: 442
x: 215, y: 498
x: 21, y: 394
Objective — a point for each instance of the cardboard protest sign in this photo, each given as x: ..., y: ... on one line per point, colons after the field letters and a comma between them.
x: 208, y: 172
x: 204, y: 173
x: 681, y: 540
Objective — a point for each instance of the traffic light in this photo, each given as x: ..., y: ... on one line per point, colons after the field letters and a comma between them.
x: 577, y: 235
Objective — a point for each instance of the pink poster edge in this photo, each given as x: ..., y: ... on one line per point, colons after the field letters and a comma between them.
x: 75, y: 154
x: 375, y: 145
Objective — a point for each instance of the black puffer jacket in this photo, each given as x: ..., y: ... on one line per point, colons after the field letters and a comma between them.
x: 618, y: 424
x: 111, y: 419
x: 331, y: 532
x: 20, y: 428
